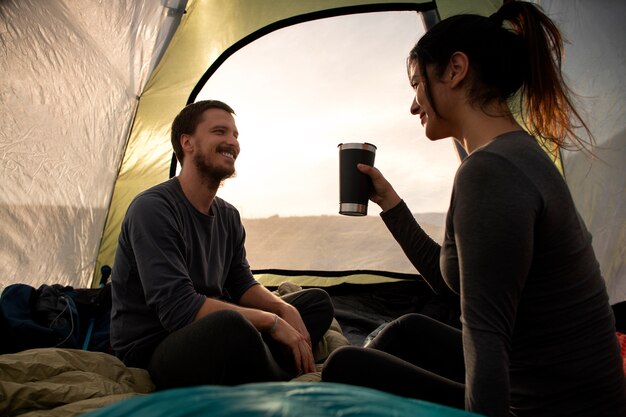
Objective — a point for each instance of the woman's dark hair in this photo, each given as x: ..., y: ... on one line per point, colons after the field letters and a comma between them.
x: 189, y: 118
x: 524, y: 57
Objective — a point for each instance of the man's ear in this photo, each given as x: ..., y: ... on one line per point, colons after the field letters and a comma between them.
x: 186, y: 143
x: 458, y: 68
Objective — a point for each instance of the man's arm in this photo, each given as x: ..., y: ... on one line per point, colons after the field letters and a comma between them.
x: 261, y: 298
x: 268, y: 313
x: 260, y: 319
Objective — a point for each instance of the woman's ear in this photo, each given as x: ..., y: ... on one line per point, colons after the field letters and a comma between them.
x: 458, y: 68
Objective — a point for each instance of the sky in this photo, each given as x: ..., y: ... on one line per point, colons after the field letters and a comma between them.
x: 302, y: 90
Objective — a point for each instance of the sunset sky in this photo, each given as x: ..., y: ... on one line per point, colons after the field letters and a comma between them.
x: 300, y: 91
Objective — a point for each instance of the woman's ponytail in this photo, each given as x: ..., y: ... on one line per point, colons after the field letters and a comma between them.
x: 547, y: 108
x: 518, y: 49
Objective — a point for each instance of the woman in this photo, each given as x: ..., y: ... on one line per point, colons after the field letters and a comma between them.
x: 538, y: 335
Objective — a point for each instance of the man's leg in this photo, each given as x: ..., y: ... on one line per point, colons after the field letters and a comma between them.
x: 222, y: 348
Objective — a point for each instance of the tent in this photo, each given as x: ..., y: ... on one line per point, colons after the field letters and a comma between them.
x: 89, y: 90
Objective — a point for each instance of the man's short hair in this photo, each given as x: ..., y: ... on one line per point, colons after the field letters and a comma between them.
x: 186, y: 122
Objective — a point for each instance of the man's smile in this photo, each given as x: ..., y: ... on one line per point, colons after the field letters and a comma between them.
x: 228, y: 152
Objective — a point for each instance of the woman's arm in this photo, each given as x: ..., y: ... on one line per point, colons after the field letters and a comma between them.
x: 420, y: 249
x: 494, y: 209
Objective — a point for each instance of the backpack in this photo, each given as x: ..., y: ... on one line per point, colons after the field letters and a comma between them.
x: 54, y: 316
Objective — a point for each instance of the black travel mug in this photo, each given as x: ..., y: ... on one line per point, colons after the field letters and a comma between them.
x: 354, y: 186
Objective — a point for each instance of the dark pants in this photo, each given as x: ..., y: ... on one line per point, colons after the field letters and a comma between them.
x: 413, y: 356
x: 224, y: 348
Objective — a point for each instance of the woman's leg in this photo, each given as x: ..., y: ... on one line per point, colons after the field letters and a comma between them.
x: 376, y: 369
x: 426, y: 343
x: 222, y: 348
x: 414, y: 356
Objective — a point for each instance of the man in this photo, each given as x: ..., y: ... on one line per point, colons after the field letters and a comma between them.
x: 185, y: 304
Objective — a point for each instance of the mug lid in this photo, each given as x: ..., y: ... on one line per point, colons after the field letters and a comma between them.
x: 355, y: 145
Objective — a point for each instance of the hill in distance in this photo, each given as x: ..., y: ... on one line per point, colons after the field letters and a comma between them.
x: 331, y: 243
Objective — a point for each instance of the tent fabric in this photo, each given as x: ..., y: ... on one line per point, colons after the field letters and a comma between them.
x: 595, y: 63
x: 72, y: 73
x: 89, y: 90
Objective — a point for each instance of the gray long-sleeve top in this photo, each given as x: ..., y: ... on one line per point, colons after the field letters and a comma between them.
x: 169, y: 258
x: 538, y: 331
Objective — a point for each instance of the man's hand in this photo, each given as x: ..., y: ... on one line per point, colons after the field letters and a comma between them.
x: 292, y: 316
x: 298, y: 343
x: 290, y: 329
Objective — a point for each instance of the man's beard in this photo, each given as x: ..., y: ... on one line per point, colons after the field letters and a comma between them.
x: 211, y: 175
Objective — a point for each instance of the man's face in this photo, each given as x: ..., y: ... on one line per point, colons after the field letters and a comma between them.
x: 215, y: 145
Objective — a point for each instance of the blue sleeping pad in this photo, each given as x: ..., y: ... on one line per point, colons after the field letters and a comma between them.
x: 275, y: 399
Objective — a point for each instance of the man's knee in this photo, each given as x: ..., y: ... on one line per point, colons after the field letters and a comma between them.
x: 323, y: 300
x: 313, y: 300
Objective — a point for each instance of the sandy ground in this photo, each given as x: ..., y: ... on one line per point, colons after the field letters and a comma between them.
x: 330, y: 243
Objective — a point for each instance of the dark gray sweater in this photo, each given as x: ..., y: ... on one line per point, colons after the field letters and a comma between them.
x: 538, y: 332
x: 169, y: 258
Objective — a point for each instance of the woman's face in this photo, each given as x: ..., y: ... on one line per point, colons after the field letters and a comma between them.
x: 434, y: 125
